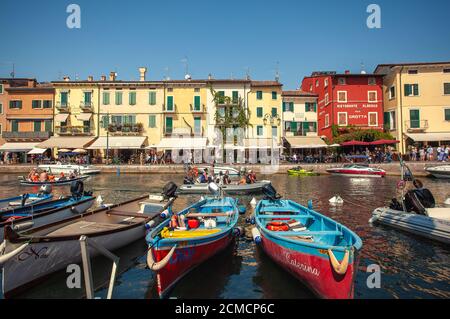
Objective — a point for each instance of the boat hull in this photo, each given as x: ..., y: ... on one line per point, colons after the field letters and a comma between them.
x: 41, y: 259
x: 56, y: 183
x: 439, y: 171
x: 424, y: 226
x: 66, y: 169
x: 186, y: 258
x: 355, y: 173
x: 314, y: 271
x: 228, y: 189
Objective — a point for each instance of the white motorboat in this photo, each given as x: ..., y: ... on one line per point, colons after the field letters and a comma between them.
x: 68, y: 168
x: 217, y: 169
x: 357, y: 170
x: 442, y: 171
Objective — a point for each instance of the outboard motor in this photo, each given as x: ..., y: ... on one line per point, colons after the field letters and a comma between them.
x: 45, y: 189
x: 169, y: 190
x: 270, y: 192
x: 418, y: 200
x: 77, y: 189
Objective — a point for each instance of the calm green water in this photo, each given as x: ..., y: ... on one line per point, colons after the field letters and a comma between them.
x: 411, y: 267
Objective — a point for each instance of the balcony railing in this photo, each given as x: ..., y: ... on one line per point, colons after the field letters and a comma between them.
x: 126, y: 129
x: 173, y: 131
x: 198, y: 109
x: 416, y: 125
x: 74, y: 130
x: 26, y: 135
x: 86, y: 106
x: 173, y: 109
x: 62, y: 107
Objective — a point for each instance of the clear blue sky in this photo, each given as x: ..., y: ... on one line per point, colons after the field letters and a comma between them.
x: 218, y: 37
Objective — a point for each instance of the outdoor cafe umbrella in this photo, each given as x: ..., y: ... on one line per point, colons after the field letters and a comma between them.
x: 384, y: 142
x: 64, y: 150
x: 79, y: 150
x: 355, y: 143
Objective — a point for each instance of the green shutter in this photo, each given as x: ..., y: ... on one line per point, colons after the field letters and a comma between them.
x: 259, y: 112
x: 407, y: 90
x: 235, y: 97
x: 37, y: 126
x: 274, y: 95
x: 414, y: 117
x: 14, y: 126
x: 87, y: 97
x: 416, y: 89
x: 447, y: 114
x: 197, y: 125
x: 259, y: 95
x: 294, y: 127
x: 106, y: 98
x: 132, y: 98
x: 170, y: 103
x: 197, y: 103
x: 152, y: 121
x: 118, y: 98
x: 152, y: 98
x: 63, y: 98
x: 274, y: 111
x: 105, y: 121
x: 387, y: 120
x: 221, y: 95
x: 259, y: 130
x: 48, y: 126
x: 169, y: 123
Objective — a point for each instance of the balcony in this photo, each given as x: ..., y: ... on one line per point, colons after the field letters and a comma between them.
x: 26, y: 136
x: 74, y: 130
x: 87, y: 106
x: 176, y: 132
x: 416, y: 126
x: 126, y: 129
x: 62, y: 107
x: 170, y: 110
x: 200, y: 109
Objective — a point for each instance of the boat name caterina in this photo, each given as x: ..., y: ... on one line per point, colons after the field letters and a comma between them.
x: 301, y: 266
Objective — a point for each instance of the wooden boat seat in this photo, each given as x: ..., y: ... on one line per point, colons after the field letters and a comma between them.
x: 195, y: 215
x: 127, y: 214
x: 83, y: 228
x: 285, y: 216
x: 310, y: 233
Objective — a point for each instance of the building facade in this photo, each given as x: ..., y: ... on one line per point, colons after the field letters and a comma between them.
x: 346, y: 101
x: 417, y: 102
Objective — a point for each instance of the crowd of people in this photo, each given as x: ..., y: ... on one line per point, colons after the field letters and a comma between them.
x: 38, y: 175
x: 194, y: 176
x: 428, y: 153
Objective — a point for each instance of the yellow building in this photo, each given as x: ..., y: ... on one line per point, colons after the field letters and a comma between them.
x: 417, y: 102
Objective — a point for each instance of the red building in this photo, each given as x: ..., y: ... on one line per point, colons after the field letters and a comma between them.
x: 346, y: 100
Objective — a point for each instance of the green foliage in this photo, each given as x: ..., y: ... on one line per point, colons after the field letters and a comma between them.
x: 361, y: 135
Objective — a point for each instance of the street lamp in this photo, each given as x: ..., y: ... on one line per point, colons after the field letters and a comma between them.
x: 107, y: 137
x: 271, y: 119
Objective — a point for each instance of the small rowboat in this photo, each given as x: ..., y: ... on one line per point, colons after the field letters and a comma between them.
x: 301, y: 172
x: 228, y: 189
x: 317, y: 250
x: 57, y: 182
x: 34, y: 254
x: 25, y: 200
x: 174, y: 252
x: 355, y: 170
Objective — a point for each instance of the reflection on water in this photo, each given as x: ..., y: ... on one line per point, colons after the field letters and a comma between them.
x: 412, y: 267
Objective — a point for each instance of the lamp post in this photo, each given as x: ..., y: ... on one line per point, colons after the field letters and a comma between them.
x: 107, y: 137
x: 271, y: 119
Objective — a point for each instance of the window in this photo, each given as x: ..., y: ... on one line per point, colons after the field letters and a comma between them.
x: 106, y: 99
x: 327, y: 120
x: 47, y: 104
x: 310, y: 107
x: 317, y: 83
x: 413, y: 72
x: 17, y: 104
x: 372, y: 81
x: 197, y: 104
x: 274, y: 131
x: 390, y: 121
x: 169, y: 89
x: 132, y: 98
x: 169, y: 125
x: 64, y: 98
x: 447, y: 114
x: 311, y: 87
x: 197, y: 125
x: 342, y: 97
x: 105, y: 121
x: 341, y: 81
x: 152, y: 98
x: 235, y: 95
x: 87, y: 98
x: 259, y: 95
x: 15, y: 126
x: 169, y: 103
x: 152, y: 121
x: 37, y: 126
x: 1, y: 108
x: 392, y: 92
x: 325, y: 83
x: 447, y: 88
x: 446, y: 70
x: 411, y: 89
x: 373, y: 119
x: 36, y: 104
x: 327, y: 99
x: 291, y: 106
x: 274, y: 95
x: 1, y: 88
x: 0, y: 130
x: 221, y: 97
x: 342, y: 119
x: 293, y: 127
x: 274, y: 111
x: 48, y: 126
x: 118, y: 98
x: 259, y: 112
x: 259, y: 130
x: 197, y: 90
x: 414, y: 118
x: 372, y: 96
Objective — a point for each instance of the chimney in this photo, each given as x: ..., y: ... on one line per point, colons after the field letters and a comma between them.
x: 90, y: 78
x: 347, y: 71
x: 210, y: 76
x: 103, y: 77
x: 66, y: 79
x: 142, y: 71
x: 112, y: 76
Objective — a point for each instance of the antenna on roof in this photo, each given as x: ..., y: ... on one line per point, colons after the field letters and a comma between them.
x: 277, y: 72
x: 247, y: 73
x: 363, y: 71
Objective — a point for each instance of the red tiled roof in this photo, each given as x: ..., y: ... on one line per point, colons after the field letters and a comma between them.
x: 409, y: 64
x: 266, y: 83
x: 299, y: 93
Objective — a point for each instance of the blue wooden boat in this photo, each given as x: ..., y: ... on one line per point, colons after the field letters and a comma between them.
x: 317, y: 250
x: 175, y: 251
x: 25, y: 200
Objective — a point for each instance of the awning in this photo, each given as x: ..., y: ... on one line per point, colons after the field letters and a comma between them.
x: 37, y: 151
x: 260, y: 143
x: 66, y: 142
x: 61, y: 118
x: 84, y: 116
x: 17, y: 147
x: 429, y: 137
x: 119, y: 142
x: 196, y: 143
x: 305, y: 142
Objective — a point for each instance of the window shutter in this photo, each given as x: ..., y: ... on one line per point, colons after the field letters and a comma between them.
x: 170, y: 103
x: 274, y: 111
x: 152, y: 98
x: 416, y: 89
x: 407, y: 90
x: 197, y: 102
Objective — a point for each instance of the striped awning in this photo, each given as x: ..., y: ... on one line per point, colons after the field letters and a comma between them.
x: 84, y: 116
x: 37, y: 151
x: 61, y: 117
x: 178, y: 143
x: 66, y: 142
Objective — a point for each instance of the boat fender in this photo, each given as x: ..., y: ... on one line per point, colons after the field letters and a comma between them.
x: 256, y: 235
x: 310, y: 204
x: 253, y: 202
x: 150, y: 224
x: 339, y: 267
x: 156, y: 266
x: 74, y: 210
x: 239, y: 231
x: 242, y: 209
x: 23, y: 226
x: 164, y: 214
x: 4, y: 258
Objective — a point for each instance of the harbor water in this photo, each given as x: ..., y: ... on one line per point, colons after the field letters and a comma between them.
x: 411, y: 267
